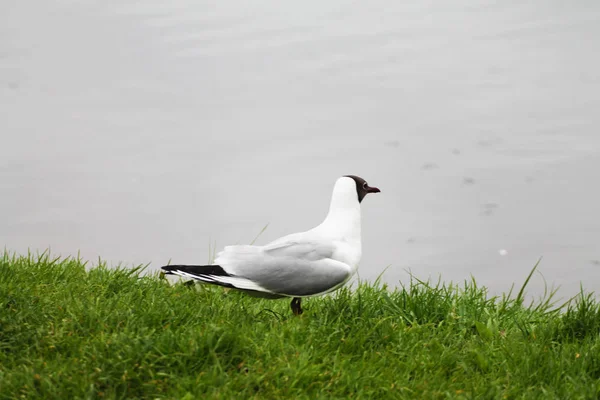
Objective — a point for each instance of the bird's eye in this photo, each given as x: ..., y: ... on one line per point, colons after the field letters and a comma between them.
x: 365, y: 185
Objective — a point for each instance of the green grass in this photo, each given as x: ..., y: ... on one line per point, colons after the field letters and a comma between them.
x: 67, y: 332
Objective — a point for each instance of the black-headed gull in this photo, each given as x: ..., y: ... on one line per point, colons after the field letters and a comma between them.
x: 299, y: 265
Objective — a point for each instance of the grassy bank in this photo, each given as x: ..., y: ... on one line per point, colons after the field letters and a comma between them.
x: 71, y: 332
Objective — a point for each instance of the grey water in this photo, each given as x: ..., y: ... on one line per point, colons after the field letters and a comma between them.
x: 143, y: 132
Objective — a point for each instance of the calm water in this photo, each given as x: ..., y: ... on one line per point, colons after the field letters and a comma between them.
x: 144, y: 131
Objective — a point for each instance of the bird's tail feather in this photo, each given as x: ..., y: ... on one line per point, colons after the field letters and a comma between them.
x: 204, y: 273
x: 195, y: 269
x: 216, y: 275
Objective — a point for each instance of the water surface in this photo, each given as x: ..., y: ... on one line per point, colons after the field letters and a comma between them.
x: 144, y: 131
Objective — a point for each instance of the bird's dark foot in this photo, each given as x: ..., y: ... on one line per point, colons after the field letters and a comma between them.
x: 190, y: 283
x: 296, y: 305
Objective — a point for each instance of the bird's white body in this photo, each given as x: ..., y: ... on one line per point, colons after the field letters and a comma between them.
x: 301, y: 264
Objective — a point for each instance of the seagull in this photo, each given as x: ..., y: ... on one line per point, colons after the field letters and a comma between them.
x: 299, y: 265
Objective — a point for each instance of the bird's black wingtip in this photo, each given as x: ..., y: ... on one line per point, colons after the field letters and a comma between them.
x: 195, y: 269
x: 168, y: 269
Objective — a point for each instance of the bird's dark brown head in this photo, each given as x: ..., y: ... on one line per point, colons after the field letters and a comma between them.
x: 362, y: 188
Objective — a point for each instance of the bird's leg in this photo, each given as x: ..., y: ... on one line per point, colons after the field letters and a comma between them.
x: 296, y: 305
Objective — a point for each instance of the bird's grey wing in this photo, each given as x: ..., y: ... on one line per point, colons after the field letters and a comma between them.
x: 293, y: 268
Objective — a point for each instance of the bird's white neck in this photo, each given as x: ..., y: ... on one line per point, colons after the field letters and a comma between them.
x: 343, y: 219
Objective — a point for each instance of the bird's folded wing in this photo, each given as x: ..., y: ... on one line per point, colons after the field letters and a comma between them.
x: 312, y: 250
x: 293, y: 268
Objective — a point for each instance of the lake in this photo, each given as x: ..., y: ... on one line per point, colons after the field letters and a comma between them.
x: 143, y: 132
